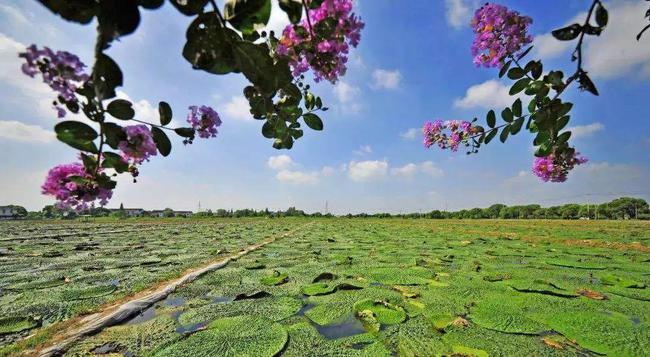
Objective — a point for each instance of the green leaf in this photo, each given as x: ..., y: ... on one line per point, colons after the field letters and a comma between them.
x: 532, y: 105
x: 185, y: 132
x: 80, y: 11
x: 121, y: 109
x: 293, y: 9
x: 257, y: 65
x: 162, y: 141
x: 542, y: 136
x: 504, y: 68
x: 567, y: 33
x: 150, y: 4
x: 523, y: 54
x: 562, y: 122
x: 516, y: 108
x: 268, y: 129
x: 77, y: 134
x: 114, y: 161
x: 519, y: 86
x: 106, y: 77
x: 247, y: 15
x: 564, y: 109
x: 491, y: 119
x: 117, y: 18
x: 491, y: 135
x: 543, y: 150
x: 313, y: 121
x: 189, y: 7
x: 516, y: 126
x: 113, y: 133
x: 601, y: 15
x: 506, y: 114
x: 564, y: 137
x: 587, y: 84
x: 165, y: 112
x: 537, y: 69
x: 209, y: 46
x: 504, y: 133
x: 516, y: 73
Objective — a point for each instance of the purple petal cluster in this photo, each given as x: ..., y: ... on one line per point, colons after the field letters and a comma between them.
x: 74, y: 188
x: 204, y: 120
x: 459, y: 131
x: 326, y: 53
x: 499, y: 33
x: 61, y: 70
x: 555, y: 168
x: 139, y: 144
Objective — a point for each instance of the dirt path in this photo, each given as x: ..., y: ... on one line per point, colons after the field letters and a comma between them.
x: 118, y: 312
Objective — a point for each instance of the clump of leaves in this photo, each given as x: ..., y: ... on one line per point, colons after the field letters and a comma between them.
x: 276, y: 278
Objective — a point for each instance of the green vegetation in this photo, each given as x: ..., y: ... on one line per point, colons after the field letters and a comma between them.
x: 349, y: 287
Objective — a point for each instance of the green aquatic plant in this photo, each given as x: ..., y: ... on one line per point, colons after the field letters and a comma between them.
x: 232, y: 336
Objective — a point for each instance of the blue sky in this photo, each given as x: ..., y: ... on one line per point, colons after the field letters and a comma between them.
x: 413, y: 65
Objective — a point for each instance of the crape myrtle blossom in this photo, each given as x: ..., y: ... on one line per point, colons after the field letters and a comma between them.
x: 555, y: 168
x: 61, y: 70
x: 204, y: 120
x: 139, y: 144
x: 499, y: 33
x: 324, y: 46
x: 459, y: 132
x: 74, y: 187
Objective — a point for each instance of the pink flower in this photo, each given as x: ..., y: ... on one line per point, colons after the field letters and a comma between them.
x: 325, y: 54
x: 555, y: 168
x: 459, y: 132
x: 204, y: 120
x: 139, y: 144
x: 61, y: 70
x: 499, y: 33
x: 74, y: 188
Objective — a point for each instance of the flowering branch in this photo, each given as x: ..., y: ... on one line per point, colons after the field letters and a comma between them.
x: 500, y: 36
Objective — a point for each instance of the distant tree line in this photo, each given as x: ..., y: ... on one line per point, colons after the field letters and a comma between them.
x: 620, y: 208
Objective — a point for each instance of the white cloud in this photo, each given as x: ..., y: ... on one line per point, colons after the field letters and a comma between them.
x: 409, y: 170
x: 431, y: 169
x: 367, y: 170
x: 34, y: 89
x: 280, y: 162
x: 287, y: 172
x: 237, y: 108
x: 615, y: 52
x: 410, y: 134
x: 585, y: 131
x: 17, y: 131
x: 297, y: 177
x: 458, y: 13
x: 547, y: 46
x: 14, y: 14
x: 347, y: 95
x: 490, y: 94
x: 327, y: 171
x: 385, y: 79
x: 363, y: 150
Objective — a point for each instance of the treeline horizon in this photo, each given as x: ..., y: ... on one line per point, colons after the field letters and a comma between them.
x: 620, y: 208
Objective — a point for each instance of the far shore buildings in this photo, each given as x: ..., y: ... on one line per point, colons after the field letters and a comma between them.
x: 8, y: 212
x: 141, y: 212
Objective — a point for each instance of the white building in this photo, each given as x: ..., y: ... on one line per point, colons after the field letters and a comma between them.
x: 7, y: 212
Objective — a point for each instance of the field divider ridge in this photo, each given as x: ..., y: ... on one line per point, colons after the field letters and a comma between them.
x: 117, y: 313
